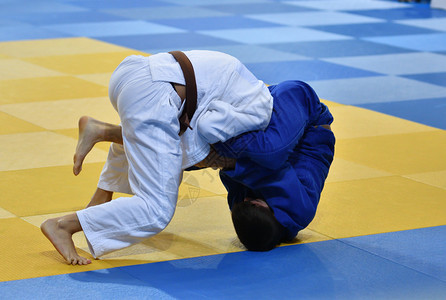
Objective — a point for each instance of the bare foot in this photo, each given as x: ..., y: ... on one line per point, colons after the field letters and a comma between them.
x: 89, y: 135
x: 61, y: 238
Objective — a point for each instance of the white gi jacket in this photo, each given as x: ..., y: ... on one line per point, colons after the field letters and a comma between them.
x: 149, y: 165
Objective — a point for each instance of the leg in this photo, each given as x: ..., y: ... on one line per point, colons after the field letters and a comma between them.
x: 92, y: 131
x: 59, y: 231
x: 114, y: 175
x: 100, y: 196
x: 152, y: 159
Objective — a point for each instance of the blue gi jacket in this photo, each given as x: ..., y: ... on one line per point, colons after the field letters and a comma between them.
x: 288, y: 162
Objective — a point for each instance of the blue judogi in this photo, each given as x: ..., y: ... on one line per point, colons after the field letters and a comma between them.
x: 288, y: 162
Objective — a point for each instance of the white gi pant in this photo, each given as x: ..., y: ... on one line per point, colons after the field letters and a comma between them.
x: 150, y: 168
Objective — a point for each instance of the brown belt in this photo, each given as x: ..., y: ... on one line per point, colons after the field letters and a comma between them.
x: 191, y: 90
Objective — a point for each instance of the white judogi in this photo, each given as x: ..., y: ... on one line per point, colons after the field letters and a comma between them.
x: 230, y: 101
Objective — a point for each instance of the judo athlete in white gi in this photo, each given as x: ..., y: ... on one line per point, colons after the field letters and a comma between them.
x: 149, y: 164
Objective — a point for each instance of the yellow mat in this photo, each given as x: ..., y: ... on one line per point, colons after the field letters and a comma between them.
x: 388, y: 173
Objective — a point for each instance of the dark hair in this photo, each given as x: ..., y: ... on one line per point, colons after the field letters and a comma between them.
x: 256, y: 226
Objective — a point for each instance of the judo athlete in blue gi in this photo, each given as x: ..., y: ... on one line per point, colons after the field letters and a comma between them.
x: 284, y: 166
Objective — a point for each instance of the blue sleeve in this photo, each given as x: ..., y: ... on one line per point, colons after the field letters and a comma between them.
x: 237, y: 191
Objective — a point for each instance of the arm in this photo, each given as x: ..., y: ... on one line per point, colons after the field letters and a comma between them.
x: 245, y: 104
x: 216, y: 161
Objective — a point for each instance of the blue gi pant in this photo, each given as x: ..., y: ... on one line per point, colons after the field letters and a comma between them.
x: 288, y: 162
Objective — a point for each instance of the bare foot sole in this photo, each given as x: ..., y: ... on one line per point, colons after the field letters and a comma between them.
x: 62, y: 241
x: 88, y: 137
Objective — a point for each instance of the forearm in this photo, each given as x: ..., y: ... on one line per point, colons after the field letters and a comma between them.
x: 216, y: 161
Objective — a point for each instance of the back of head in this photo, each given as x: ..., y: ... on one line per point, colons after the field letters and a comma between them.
x: 256, y: 226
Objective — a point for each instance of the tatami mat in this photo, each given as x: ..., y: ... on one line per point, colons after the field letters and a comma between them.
x: 379, y: 228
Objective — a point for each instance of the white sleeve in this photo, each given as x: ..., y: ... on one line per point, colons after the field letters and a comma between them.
x: 244, y: 104
x: 245, y: 108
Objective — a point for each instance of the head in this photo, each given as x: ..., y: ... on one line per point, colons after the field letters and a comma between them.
x: 256, y: 226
